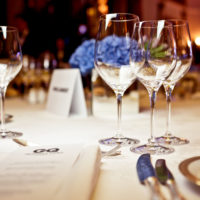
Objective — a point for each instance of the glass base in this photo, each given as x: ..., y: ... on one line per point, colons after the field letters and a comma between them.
x: 9, y: 134
x: 171, y: 140
x: 152, y: 149
x: 115, y: 140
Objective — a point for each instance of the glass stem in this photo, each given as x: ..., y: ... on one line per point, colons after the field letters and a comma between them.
x: 168, y: 92
x: 119, y: 115
x: 152, y: 96
x: 3, y: 91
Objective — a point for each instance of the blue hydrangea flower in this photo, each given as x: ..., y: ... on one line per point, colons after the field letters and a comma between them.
x: 113, y: 50
x: 83, y: 57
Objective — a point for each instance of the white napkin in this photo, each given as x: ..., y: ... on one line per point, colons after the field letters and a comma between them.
x: 81, y: 182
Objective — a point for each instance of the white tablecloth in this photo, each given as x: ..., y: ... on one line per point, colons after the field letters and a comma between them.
x: 118, y: 178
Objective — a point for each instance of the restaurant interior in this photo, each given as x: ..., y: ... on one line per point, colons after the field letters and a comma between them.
x: 66, y: 132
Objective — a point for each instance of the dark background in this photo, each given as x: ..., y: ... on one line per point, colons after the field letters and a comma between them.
x: 53, y: 25
x: 59, y: 26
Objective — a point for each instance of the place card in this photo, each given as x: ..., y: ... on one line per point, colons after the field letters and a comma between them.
x: 50, y: 172
x: 66, y: 96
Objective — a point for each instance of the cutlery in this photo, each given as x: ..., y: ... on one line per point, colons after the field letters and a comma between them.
x: 147, y: 176
x: 112, y: 152
x: 24, y: 143
x: 166, y: 178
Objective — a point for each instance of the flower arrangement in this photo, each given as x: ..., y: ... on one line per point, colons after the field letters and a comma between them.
x: 83, y: 57
x: 113, y: 50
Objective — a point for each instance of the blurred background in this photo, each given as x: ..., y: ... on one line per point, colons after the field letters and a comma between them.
x: 56, y: 26
x: 50, y: 30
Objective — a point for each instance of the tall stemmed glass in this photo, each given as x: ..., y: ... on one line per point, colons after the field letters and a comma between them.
x: 10, y: 65
x: 184, y: 60
x: 112, y: 53
x: 157, y: 58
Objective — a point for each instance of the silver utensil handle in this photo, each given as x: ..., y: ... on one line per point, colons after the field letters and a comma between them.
x: 175, y: 194
x: 112, y: 151
x: 153, y: 184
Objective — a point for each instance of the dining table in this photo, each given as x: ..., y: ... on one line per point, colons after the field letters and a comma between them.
x: 118, y: 179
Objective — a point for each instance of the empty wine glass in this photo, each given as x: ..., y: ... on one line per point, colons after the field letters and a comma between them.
x: 112, y: 53
x: 10, y: 65
x: 154, y: 62
x: 184, y: 60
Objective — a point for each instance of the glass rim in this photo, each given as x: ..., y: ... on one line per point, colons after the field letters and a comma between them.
x: 134, y: 17
x: 169, y: 25
x: 8, y: 29
x: 183, y: 22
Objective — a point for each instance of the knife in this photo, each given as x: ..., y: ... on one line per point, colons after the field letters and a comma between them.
x: 166, y: 178
x: 147, y: 176
x: 23, y: 142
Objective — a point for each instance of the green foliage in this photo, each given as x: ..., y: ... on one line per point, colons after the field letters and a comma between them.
x: 156, y: 52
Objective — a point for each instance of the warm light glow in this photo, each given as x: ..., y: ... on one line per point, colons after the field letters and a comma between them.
x: 91, y: 11
x: 46, y: 63
x: 25, y: 61
x: 197, y: 41
x: 102, y: 1
x: 103, y: 8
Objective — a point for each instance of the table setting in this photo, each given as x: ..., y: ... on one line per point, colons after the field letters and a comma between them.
x: 51, y: 156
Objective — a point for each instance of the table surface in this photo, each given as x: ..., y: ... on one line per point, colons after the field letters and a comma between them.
x: 118, y: 177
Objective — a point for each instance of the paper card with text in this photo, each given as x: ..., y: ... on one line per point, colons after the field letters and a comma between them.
x: 66, y: 96
x: 37, y: 173
x: 52, y: 172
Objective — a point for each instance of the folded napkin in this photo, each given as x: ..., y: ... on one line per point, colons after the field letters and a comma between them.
x: 60, y: 172
x: 79, y: 185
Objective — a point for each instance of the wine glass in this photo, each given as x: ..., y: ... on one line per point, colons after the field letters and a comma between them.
x: 184, y: 60
x: 10, y: 65
x: 154, y: 62
x: 112, y: 53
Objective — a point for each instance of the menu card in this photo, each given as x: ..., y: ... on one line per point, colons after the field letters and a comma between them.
x: 48, y: 172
